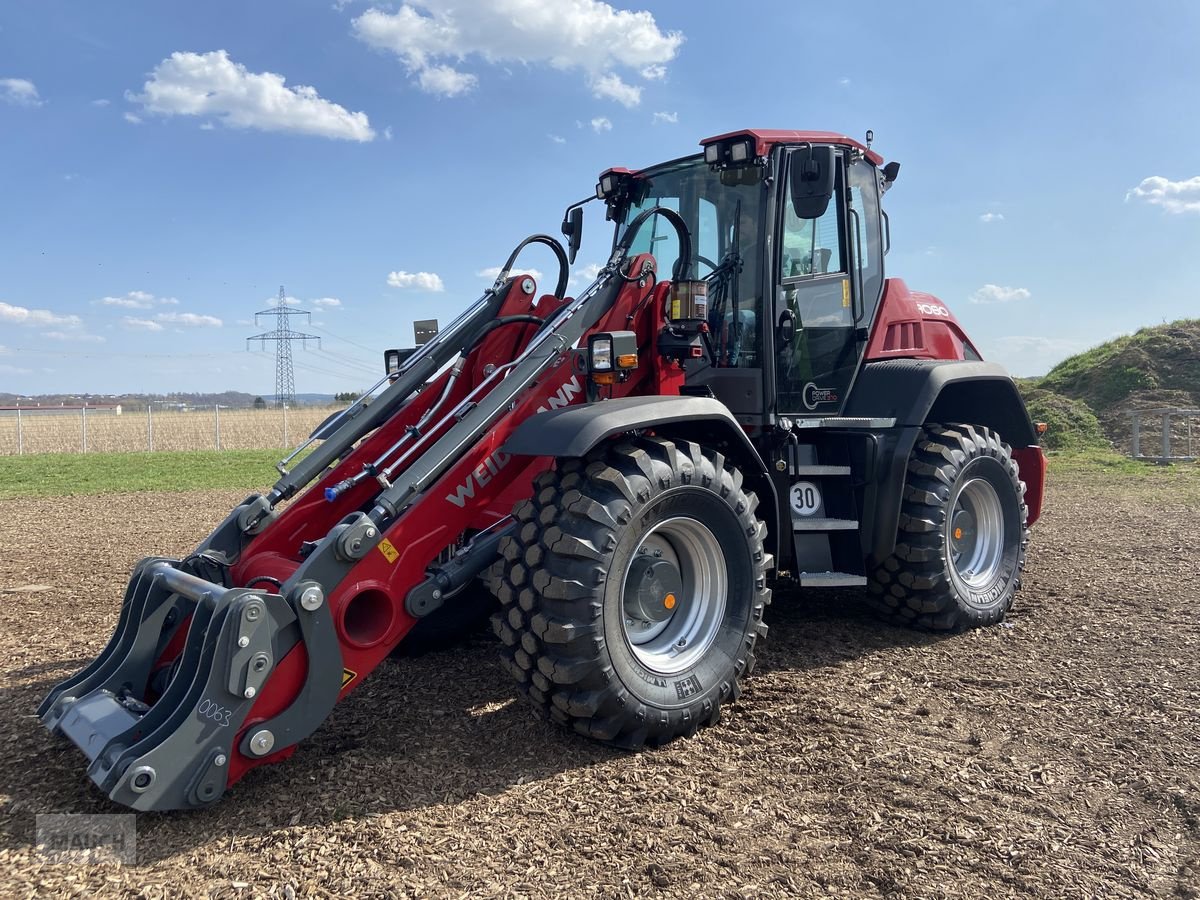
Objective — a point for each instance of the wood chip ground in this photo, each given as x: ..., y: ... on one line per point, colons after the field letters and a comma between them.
x: 1055, y: 756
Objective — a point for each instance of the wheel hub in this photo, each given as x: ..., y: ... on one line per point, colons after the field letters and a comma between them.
x: 652, y: 589
x: 673, y: 595
x: 975, y: 533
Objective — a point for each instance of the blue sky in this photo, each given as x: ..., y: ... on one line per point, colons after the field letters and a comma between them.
x: 165, y: 167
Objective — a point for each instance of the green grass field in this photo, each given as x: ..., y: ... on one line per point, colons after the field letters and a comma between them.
x: 62, y: 474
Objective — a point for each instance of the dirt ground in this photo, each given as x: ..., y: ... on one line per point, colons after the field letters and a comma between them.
x: 1055, y: 756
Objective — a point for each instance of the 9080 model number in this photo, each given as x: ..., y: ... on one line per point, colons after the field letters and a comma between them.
x: 207, y: 709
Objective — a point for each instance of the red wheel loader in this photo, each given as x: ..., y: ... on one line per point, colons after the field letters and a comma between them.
x: 740, y: 399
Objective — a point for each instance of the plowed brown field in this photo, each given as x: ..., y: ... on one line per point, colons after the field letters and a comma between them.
x: 1055, y: 756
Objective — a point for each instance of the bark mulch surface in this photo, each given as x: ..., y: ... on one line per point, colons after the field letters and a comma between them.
x: 1057, y: 755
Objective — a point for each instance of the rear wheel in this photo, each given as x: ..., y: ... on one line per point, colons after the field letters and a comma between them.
x: 633, y: 593
x: 961, y: 545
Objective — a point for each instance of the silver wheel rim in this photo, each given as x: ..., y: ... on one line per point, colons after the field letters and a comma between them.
x: 678, y: 642
x: 975, y: 533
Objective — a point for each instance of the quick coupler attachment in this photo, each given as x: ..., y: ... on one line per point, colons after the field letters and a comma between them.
x: 158, y: 711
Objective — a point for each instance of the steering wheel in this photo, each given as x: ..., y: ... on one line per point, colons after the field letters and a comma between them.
x: 712, y: 266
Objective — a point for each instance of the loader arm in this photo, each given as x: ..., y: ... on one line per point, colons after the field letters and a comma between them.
x: 225, y: 660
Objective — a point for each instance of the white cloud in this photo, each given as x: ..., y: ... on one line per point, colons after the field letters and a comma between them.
x: 132, y: 300
x: 213, y: 85
x: 588, y: 36
x: 419, y: 281
x: 586, y: 275
x: 600, y: 123
x: 137, y: 300
x: 667, y: 118
x: 19, y: 92
x: 1173, y: 196
x: 73, y: 336
x: 844, y: 82
x: 557, y: 138
x: 387, y: 133
x: 192, y: 320
x: 327, y: 302
x: 102, y: 101
x: 19, y: 315
x: 132, y: 119
x: 992, y: 217
x: 995, y: 293
x: 6, y: 369
x: 144, y: 324
x: 492, y: 272
x: 445, y: 81
x: 611, y: 87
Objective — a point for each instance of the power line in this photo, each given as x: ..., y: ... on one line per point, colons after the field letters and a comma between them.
x: 349, y: 360
x: 373, y: 350
x: 283, y: 336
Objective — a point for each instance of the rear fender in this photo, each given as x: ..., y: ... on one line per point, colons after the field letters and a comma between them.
x: 915, y: 392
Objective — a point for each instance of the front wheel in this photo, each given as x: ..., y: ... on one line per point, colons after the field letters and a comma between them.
x: 960, y: 549
x: 633, y: 593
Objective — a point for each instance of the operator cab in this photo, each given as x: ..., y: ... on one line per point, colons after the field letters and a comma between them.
x: 787, y: 232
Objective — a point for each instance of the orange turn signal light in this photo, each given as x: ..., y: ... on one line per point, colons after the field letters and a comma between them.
x: 604, y: 377
x: 627, y: 361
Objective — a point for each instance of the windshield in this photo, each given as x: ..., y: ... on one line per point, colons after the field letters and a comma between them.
x: 727, y: 228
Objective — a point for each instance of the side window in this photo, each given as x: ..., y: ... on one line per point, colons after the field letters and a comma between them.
x: 864, y: 199
x: 811, y: 246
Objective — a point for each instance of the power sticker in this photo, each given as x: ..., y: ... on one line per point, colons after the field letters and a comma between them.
x: 347, y: 677
x: 846, y: 294
x: 389, y: 551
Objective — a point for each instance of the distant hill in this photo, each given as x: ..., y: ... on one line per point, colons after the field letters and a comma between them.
x: 1155, y: 367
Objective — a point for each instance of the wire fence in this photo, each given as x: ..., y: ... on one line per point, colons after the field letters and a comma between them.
x: 50, y: 430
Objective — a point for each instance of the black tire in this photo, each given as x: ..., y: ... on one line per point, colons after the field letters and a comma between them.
x: 561, y: 583
x: 461, y: 616
x: 928, y: 581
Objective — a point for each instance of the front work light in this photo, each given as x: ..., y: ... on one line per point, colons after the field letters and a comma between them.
x: 611, y: 355
x: 600, y: 355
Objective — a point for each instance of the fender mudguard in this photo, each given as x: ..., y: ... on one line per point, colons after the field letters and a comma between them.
x: 917, y: 391
x: 574, y: 430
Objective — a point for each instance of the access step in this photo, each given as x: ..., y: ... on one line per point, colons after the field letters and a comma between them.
x: 823, y: 470
x: 845, y: 422
x: 814, y: 524
x: 832, y: 579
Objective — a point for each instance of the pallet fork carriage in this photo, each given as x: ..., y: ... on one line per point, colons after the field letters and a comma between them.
x: 739, y: 399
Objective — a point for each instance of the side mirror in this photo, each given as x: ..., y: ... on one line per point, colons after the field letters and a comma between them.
x: 572, y: 229
x: 811, y: 176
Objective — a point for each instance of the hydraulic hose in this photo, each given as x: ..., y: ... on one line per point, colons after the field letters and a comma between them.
x: 564, y: 267
x: 683, y: 264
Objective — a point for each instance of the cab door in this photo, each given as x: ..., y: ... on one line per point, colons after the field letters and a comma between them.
x: 816, y: 349
x: 828, y: 280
